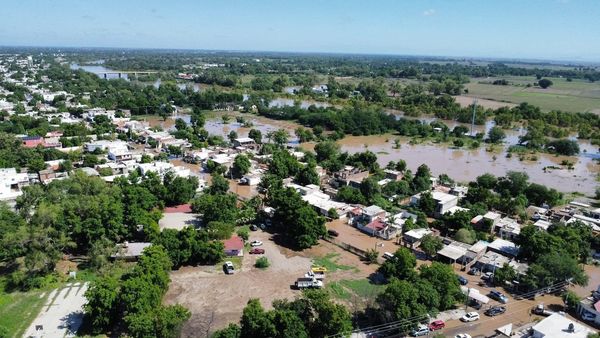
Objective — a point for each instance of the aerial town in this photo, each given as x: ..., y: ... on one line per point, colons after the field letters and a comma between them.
x: 182, y: 193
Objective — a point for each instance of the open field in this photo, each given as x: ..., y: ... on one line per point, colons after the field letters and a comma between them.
x: 578, y: 95
x: 216, y: 299
x: 18, y: 309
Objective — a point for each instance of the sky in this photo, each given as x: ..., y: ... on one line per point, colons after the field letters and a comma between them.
x: 531, y: 29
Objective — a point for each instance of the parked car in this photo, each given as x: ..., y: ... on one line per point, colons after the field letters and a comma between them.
x: 470, y: 317
x: 588, y: 316
x: 487, y: 276
x: 228, y: 268
x: 253, y: 227
x: 497, y: 295
x: 436, y: 325
x: 474, y: 271
x: 388, y: 255
x: 474, y: 303
x: 257, y: 251
x: 422, y: 330
x: 319, y: 269
x: 333, y: 233
x: 463, y: 335
x: 462, y: 280
x: 495, y: 311
x: 256, y: 243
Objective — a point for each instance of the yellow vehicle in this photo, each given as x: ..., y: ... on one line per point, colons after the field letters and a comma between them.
x: 319, y: 269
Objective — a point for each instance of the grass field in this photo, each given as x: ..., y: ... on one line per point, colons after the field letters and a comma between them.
x: 347, y: 288
x: 578, y: 95
x: 329, y: 261
x: 19, y: 309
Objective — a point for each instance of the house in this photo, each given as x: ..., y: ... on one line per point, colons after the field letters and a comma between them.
x: 558, y: 325
x: 130, y: 251
x: 453, y: 252
x: 11, y: 184
x: 32, y: 141
x: 459, y: 190
x: 393, y: 175
x: 245, y: 142
x: 491, y: 261
x: 508, y: 228
x: 590, y: 307
x: 476, y: 251
x: 319, y: 200
x: 372, y: 212
x: 350, y: 176
x: 119, y: 152
x: 412, y: 238
x: 542, y: 224
x: 234, y: 246
x: 504, y: 247
x: 444, y: 202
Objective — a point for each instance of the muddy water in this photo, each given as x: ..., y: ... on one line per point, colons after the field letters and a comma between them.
x: 462, y: 165
x: 465, y: 165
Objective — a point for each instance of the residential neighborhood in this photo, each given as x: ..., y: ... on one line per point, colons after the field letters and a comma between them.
x: 241, y: 194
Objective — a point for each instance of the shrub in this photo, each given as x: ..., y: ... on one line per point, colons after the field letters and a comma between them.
x: 262, y: 263
x: 371, y: 256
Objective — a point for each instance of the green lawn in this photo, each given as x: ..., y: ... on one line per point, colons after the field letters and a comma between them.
x: 19, y: 309
x: 346, y: 288
x: 577, y: 95
x: 329, y: 261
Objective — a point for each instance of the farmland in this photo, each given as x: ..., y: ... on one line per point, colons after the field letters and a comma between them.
x: 576, y: 95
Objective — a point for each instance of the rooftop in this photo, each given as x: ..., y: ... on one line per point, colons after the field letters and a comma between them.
x: 558, y: 326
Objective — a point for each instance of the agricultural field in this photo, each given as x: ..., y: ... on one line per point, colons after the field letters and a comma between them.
x: 576, y: 96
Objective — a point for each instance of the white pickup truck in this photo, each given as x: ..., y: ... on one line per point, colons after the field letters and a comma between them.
x: 315, y: 275
x: 305, y: 283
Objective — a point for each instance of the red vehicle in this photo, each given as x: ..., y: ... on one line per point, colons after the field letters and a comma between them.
x: 437, y: 325
x: 257, y: 251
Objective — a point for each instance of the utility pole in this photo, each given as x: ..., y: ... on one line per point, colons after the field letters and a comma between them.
x: 473, y: 117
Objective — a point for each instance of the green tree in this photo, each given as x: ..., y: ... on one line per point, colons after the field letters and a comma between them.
x: 571, y: 300
x: 296, y: 219
x: 496, y: 134
x: 431, y: 244
x: 545, y: 83
x: 241, y: 166
x: 218, y: 185
x: 326, y: 150
x: 231, y: 331
x: 256, y: 135
x: 504, y: 274
x: 444, y: 281
x: 401, y: 266
x: 427, y: 204
x: 465, y: 235
x: 307, y: 175
x: 102, y: 302
x: 255, y: 321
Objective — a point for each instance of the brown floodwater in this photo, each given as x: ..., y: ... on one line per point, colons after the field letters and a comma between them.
x: 462, y: 165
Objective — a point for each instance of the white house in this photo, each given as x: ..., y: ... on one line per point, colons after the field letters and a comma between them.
x: 559, y: 326
x: 444, y: 202
x: 11, y: 184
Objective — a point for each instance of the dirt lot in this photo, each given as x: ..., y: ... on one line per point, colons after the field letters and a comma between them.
x: 216, y: 299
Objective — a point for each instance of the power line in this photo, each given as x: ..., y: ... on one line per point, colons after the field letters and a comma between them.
x: 417, y: 319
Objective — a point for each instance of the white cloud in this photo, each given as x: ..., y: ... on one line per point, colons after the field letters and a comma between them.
x: 429, y: 12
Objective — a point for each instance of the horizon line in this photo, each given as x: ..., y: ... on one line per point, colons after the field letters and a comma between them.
x: 531, y: 60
